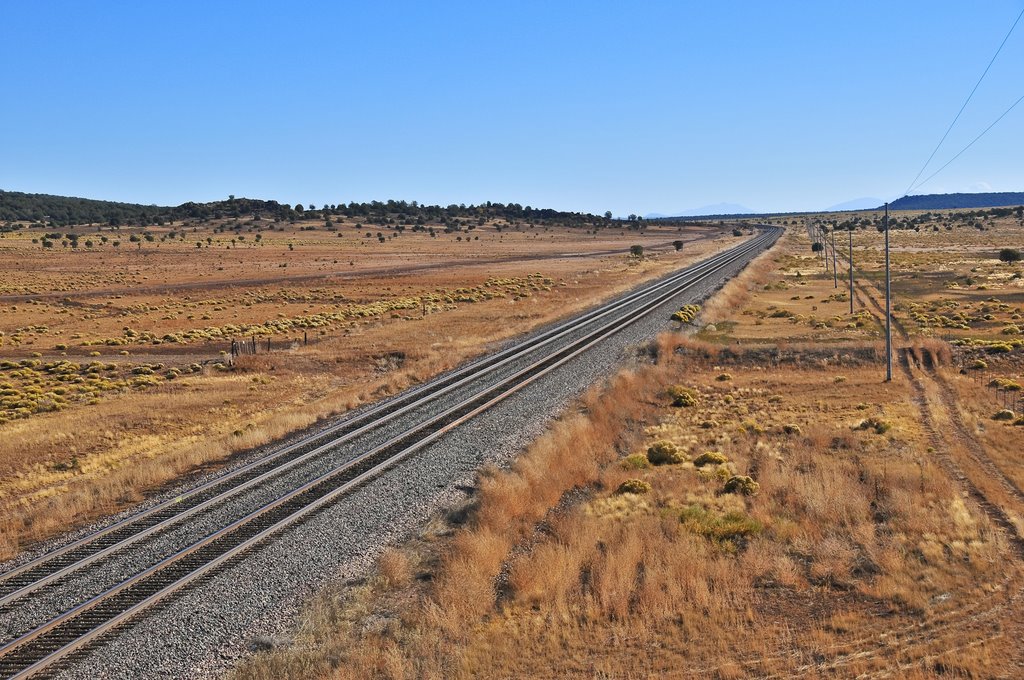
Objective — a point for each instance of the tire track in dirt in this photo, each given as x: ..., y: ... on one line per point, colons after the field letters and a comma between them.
x: 960, y: 431
x: 949, y: 624
x: 963, y: 434
x: 941, y: 448
x: 873, y: 645
x: 930, y: 664
x: 870, y: 294
x: 958, y: 630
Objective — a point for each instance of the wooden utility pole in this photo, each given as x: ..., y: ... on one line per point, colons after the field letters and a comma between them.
x: 888, y: 302
x: 850, y: 232
x: 835, y: 275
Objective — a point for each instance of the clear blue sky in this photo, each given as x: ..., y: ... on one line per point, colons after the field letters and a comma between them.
x: 630, y: 107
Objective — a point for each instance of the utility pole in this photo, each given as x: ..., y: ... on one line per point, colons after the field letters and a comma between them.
x: 835, y: 276
x: 824, y: 247
x: 888, y: 302
x: 850, y: 232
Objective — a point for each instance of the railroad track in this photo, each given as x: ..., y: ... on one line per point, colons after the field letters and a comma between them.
x: 44, y: 645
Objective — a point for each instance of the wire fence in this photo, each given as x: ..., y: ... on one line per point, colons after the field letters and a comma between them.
x: 253, y: 345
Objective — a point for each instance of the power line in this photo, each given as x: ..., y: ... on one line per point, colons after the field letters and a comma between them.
x: 1012, y: 106
x: 966, y: 101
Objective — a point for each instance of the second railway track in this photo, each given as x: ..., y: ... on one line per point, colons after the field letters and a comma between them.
x: 455, y: 398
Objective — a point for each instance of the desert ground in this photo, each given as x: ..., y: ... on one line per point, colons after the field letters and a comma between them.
x: 116, y: 367
x: 752, y: 500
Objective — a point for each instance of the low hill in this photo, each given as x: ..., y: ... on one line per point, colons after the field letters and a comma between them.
x: 951, y: 201
x: 66, y: 211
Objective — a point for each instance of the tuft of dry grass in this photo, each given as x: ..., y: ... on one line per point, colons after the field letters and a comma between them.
x: 726, y: 303
x: 394, y: 568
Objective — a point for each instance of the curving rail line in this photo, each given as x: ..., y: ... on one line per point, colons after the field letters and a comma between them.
x: 71, y: 630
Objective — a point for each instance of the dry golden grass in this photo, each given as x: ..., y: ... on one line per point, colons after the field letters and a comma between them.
x: 688, y: 579
x: 738, y: 291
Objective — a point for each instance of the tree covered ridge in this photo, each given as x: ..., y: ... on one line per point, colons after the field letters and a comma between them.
x: 953, y: 201
x: 65, y: 211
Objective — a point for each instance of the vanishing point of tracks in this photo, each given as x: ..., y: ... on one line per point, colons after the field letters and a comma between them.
x: 303, y: 483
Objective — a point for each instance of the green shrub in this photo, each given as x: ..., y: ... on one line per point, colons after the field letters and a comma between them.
x: 978, y: 365
x: 879, y: 426
x: 637, y: 461
x: 682, y: 397
x: 710, y: 458
x: 664, y: 453
x: 1005, y: 384
x: 751, y: 427
x: 732, y: 526
x: 686, y: 313
x: 1004, y: 414
x: 1009, y: 255
x: 634, y: 486
x: 741, y: 484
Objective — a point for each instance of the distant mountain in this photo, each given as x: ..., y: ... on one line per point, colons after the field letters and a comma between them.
x: 950, y: 201
x: 856, y: 204
x: 715, y: 209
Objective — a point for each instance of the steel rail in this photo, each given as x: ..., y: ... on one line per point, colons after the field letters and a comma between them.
x: 27, y: 577
x: 407, y: 443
